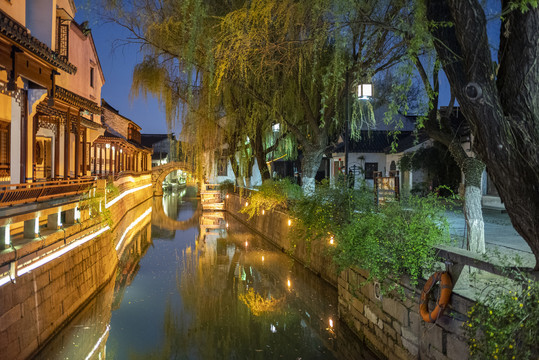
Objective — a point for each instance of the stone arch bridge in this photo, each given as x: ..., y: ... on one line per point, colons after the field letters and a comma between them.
x: 159, y: 173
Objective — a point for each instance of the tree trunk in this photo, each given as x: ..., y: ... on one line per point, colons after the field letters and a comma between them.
x: 500, y: 105
x: 473, y: 170
x: 309, y: 167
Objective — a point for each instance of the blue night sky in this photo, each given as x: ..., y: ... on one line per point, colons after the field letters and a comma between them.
x: 118, y: 67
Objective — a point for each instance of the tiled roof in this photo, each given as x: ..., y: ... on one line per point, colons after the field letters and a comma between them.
x: 372, y: 142
x: 20, y: 35
x: 76, y: 100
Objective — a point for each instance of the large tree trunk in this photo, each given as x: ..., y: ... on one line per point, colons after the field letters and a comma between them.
x: 309, y: 166
x: 502, y: 106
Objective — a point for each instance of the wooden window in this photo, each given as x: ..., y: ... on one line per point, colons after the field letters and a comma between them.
x: 92, y: 77
x: 63, y: 38
x: 370, y: 168
x: 5, y: 144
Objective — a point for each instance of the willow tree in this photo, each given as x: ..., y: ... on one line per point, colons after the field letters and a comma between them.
x: 293, y: 57
x: 499, y: 99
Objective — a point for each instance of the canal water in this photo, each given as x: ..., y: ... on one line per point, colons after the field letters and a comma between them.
x: 211, y: 290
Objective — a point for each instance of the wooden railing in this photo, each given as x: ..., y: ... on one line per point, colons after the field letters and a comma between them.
x: 13, y: 194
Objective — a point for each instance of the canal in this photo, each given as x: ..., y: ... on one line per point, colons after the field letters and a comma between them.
x: 211, y: 290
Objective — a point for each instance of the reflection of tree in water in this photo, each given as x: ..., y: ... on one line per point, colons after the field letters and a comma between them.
x: 215, y: 323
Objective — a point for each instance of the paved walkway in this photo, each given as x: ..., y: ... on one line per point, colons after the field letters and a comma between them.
x: 500, y: 238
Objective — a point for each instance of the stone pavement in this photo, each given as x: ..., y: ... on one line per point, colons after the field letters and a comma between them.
x: 500, y: 237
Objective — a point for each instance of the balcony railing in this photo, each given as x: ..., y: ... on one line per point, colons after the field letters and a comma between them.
x: 13, y: 194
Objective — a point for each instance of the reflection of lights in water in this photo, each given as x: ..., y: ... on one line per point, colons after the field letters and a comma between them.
x: 98, y: 343
x: 273, y: 329
x: 289, y: 222
x: 330, y: 323
x: 132, y: 225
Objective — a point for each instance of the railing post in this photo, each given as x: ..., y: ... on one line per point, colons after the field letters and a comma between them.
x: 54, y: 221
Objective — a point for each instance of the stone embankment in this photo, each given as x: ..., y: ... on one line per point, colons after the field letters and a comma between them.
x: 391, y: 327
x: 49, y: 279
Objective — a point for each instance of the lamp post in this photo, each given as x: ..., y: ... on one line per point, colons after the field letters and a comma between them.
x: 364, y: 92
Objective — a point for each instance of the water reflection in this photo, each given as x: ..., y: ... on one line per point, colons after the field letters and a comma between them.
x: 208, y: 290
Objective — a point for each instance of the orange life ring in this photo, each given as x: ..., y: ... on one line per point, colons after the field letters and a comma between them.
x: 446, y: 286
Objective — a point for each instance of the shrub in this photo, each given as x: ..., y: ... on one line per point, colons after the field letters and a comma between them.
x: 503, y: 324
x: 270, y: 195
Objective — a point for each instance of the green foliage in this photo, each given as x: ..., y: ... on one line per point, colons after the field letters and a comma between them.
x: 393, y: 240
x: 503, y: 324
x: 322, y: 214
x: 388, y: 241
x: 227, y: 186
x: 270, y: 195
x: 94, y: 202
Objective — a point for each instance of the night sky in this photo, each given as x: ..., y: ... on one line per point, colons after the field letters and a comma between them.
x: 118, y: 64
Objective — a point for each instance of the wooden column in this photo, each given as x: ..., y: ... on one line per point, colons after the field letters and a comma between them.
x: 77, y: 146
x: 33, y: 156
x: 100, y: 159
x: 57, y: 150
x: 84, y: 152
x: 95, y: 159
x: 67, y: 131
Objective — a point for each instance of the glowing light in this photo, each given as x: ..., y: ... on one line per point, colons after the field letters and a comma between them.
x: 132, y: 225
x: 107, y: 146
x: 227, y: 225
x: 332, y: 240
x: 246, y: 244
x: 289, y: 222
x: 125, y: 193
x: 246, y: 203
x: 227, y: 196
x: 289, y: 283
x: 262, y: 258
x: 330, y: 323
x: 121, y: 151
x: 61, y: 252
x: 36, y: 226
x: 273, y: 329
x: 7, y: 239
x: 98, y: 343
x: 263, y: 212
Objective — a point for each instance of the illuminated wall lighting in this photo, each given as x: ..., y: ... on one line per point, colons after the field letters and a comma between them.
x: 289, y: 283
x: 289, y: 222
x: 36, y: 226
x: 330, y: 323
x: 56, y: 254
x: 7, y: 235
x: 263, y: 212
x: 125, y: 193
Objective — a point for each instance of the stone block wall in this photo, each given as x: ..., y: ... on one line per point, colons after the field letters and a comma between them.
x: 36, y: 306
x: 40, y: 301
x: 273, y: 226
x: 393, y: 327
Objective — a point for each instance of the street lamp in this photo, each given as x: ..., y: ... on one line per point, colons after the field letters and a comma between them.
x: 364, y: 92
